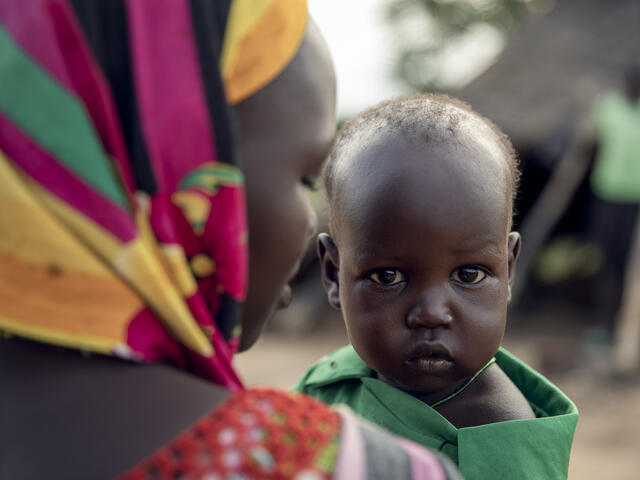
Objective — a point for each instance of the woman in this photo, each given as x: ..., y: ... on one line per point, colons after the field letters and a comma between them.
x: 122, y: 234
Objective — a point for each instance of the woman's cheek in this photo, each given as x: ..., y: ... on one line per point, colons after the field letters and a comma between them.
x: 294, y: 230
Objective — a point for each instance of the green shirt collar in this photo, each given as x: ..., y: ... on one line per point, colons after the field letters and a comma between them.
x: 545, y: 398
x: 540, y: 447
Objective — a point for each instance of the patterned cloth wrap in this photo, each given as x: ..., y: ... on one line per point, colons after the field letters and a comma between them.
x: 268, y: 434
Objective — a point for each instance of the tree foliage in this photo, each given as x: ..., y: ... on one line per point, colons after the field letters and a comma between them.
x: 427, y: 29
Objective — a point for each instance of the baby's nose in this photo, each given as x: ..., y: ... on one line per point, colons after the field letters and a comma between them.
x: 430, y: 312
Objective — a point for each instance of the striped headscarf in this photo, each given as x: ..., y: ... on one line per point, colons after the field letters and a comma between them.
x: 122, y: 216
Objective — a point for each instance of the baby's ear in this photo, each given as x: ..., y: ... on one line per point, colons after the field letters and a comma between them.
x: 514, y: 244
x: 330, y: 264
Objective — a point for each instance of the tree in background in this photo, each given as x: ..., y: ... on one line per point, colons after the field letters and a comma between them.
x: 432, y: 33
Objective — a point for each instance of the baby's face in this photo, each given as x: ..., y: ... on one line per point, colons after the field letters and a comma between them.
x: 425, y: 259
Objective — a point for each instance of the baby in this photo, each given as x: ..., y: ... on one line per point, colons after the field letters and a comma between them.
x: 420, y: 261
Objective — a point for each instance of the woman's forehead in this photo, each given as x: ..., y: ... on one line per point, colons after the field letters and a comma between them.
x: 296, y: 110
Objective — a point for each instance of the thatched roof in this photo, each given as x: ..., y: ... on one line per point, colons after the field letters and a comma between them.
x: 556, y: 64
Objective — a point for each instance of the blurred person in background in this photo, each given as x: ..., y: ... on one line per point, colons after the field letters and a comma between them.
x: 615, y: 180
x: 123, y: 241
x: 616, y: 174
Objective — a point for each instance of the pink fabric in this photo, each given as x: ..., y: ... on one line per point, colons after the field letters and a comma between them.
x: 423, y: 462
x: 89, y: 83
x: 169, y: 88
x: 170, y: 227
x: 351, y: 461
x: 147, y: 335
x: 228, y: 262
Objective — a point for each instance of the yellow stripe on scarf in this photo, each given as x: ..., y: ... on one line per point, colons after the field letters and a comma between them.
x: 261, y: 38
x: 52, y: 287
x: 52, y: 282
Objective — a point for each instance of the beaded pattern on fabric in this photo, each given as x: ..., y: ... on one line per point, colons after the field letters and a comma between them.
x: 257, y: 434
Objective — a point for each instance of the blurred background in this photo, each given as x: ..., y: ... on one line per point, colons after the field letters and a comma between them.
x: 562, y: 79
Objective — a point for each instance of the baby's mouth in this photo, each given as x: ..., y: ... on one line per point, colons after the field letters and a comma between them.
x: 431, y: 349
x: 430, y: 358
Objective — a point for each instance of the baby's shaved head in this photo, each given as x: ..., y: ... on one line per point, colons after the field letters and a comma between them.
x: 420, y: 120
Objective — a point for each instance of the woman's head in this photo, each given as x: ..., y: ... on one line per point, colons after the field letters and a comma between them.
x: 284, y: 134
x: 142, y: 172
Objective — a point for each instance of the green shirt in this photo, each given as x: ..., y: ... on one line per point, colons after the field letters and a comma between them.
x: 518, y: 449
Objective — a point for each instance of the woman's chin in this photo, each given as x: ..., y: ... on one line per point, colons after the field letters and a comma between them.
x: 286, y: 295
x: 254, y: 320
x: 249, y: 337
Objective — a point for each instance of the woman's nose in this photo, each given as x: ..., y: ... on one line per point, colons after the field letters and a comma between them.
x: 431, y: 311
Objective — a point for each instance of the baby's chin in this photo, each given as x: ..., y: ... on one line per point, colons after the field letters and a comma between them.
x: 417, y: 387
x: 429, y: 390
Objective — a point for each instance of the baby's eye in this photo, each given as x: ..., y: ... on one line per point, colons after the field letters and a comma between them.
x: 387, y: 276
x: 468, y: 275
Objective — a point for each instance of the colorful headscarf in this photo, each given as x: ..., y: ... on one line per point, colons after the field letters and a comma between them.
x: 122, y: 215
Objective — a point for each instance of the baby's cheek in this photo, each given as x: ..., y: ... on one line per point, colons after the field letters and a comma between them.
x: 492, y: 296
x: 373, y: 342
x: 486, y: 335
x: 362, y: 323
x: 368, y: 299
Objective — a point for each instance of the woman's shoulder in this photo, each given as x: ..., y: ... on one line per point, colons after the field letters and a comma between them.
x: 98, y: 417
x: 90, y: 416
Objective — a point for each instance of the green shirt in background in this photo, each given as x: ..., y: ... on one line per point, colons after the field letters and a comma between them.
x: 616, y: 173
x: 518, y: 449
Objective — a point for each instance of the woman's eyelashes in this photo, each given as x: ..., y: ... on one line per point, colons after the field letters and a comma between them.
x: 387, y: 277
x: 311, y: 183
x: 468, y: 275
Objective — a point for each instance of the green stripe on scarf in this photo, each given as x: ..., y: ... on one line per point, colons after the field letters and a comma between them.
x: 210, y: 176
x: 54, y: 119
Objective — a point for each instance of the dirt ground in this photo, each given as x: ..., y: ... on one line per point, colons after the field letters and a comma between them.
x: 607, y: 441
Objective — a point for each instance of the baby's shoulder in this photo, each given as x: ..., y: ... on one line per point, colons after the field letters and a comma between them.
x: 331, y: 378
x: 491, y: 398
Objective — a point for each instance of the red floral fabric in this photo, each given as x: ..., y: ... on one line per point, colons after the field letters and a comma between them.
x: 257, y: 434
